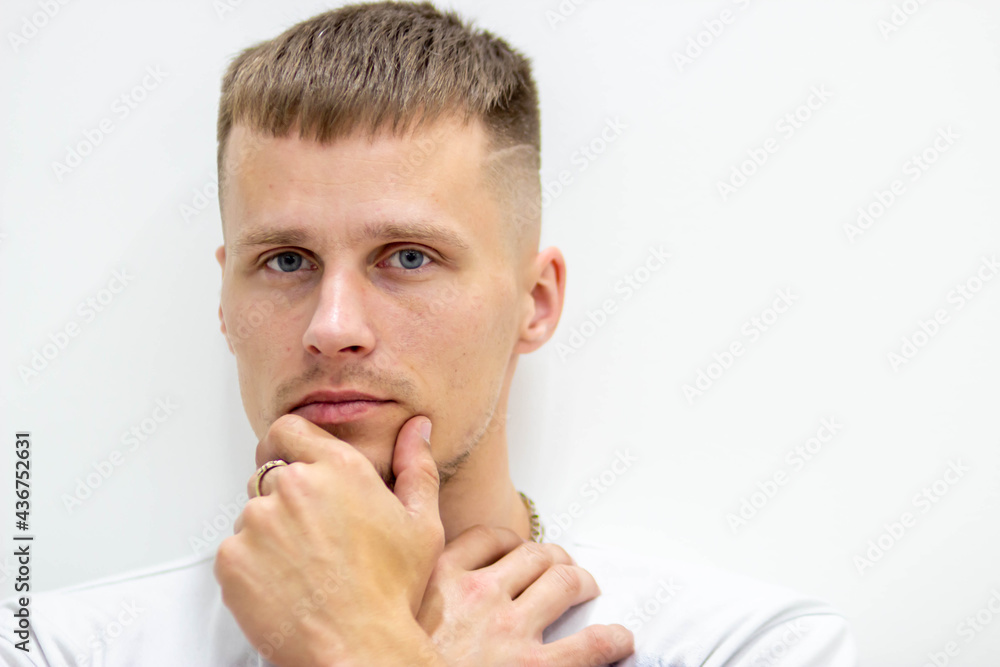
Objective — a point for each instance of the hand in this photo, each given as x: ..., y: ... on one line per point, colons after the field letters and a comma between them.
x: 491, y: 595
x: 329, y: 565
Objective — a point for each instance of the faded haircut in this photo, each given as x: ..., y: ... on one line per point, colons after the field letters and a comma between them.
x: 369, y: 67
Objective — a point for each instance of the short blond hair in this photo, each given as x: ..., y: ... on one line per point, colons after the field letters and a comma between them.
x: 397, y: 65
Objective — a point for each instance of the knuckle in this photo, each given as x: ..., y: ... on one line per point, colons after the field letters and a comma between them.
x: 279, y: 429
x: 255, y: 513
x: 261, y: 453
x: 601, y: 642
x: 506, y: 622
x: 427, y: 475
x: 452, y: 552
x: 537, y: 553
x: 507, y: 534
x: 227, y: 557
x: 623, y: 638
x: 350, y: 460
x: 292, y: 479
x: 284, y: 424
x: 558, y: 554
x: 447, y: 561
x: 485, y: 535
x: 430, y: 470
x: 481, y: 532
x: 478, y: 586
x: 567, y: 577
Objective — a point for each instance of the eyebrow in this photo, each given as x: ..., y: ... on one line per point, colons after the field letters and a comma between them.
x: 371, y: 231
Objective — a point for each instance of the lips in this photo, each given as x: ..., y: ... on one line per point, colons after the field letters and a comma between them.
x: 335, y: 407
x: 340, y: 396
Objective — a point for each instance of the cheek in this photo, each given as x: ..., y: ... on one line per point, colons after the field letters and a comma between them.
x: 262, y: 333
x: 462, y: 335
x: 250, y: 324
x: 419, y: 327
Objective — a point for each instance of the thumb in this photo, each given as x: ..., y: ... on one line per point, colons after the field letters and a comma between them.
x: 417, y: 480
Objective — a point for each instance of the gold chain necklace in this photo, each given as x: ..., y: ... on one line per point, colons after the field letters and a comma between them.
x: 537, y: 532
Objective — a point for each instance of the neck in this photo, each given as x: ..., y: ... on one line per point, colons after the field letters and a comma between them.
x: 481, y: 492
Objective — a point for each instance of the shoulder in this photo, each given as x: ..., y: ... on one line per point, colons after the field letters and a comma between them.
x: 173, y: 611
x: 687, y: 614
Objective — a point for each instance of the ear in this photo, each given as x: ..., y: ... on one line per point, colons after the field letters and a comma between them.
x: 220, y: 256
x: 545, y: 302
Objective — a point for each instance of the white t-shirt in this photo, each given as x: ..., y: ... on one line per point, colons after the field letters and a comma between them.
x: 682, y: 614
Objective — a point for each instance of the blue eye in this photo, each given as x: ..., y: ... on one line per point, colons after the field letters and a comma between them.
x: 286, y: 262
x: 410, y: 258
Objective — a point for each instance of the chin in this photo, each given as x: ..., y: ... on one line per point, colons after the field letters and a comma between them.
x: 376, y: 444
x: 363, y: 436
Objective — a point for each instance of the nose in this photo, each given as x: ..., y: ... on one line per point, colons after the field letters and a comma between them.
x: 340, y: 324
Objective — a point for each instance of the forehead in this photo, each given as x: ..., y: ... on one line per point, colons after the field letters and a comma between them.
x: 434, y: 174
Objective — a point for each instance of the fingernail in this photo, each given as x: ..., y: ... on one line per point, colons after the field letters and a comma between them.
x: 425, y: 431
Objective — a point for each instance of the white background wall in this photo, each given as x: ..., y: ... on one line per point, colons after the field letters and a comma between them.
x: 684, y: 127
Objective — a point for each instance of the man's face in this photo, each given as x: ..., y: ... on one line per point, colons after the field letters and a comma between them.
x: 379, y: 266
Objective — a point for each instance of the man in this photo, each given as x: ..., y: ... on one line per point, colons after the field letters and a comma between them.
x: 380, y: 199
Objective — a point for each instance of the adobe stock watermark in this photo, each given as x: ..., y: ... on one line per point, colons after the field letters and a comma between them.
x: 628, y: 285
x: 558, y: 523
x: 224, y: 7
x: 131, y: 440
x: 641, y: 614
x: 231, y: 167
x: 33, y: 23
x: 555, y: 186
x: 924, y: 500
x: 913, y: 169
x: 710, y: 31
x: 786, y: 127
x: 582, y: 158
x: 774, y: 652
x: 561, y: 13
x: 968, y: 629
x: 751, y: 331
x: 201, y: 198
x: 87, y: 310
x: 7, y: 568
x: 899, y: 16
x: 121, y: 108
x: 928, y: 329
x: 246, y: 323
x: 207, y: 194
x: 303, y: 608
x: 219, y: 526
x: 796, y: 459
x: 128, y: 613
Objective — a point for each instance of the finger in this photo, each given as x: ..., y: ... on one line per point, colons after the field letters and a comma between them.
x: 295, y: 438
x: 479, y: 546
x: 594, y: 646
x: 558, y: 589
x: 417, y: 480
x: 238, y: 524
x: 268, y: 481
x: 526, y: 563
